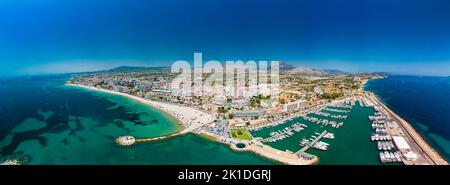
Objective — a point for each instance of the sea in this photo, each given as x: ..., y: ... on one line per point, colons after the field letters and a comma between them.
x: 351, y: 144
x: 45, y: 122
x: 421, y: 100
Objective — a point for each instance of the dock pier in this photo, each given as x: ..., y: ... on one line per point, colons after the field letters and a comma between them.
x: 311, y: 143
x: 130, y: 140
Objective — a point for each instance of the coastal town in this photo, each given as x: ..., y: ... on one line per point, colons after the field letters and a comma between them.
x: 311, y: 108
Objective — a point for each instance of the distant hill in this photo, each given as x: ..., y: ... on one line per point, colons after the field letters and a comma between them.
x: 305, y: 71
x: 284, y: 68
x: 296, y: 70
x: 138, y: 69
x: 336, y: 72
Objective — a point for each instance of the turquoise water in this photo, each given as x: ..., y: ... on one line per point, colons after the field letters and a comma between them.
x: 352, y: 144
x: 423, y: 102
x: 56, y: 124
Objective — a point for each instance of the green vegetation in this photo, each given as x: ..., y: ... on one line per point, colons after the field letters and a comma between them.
x: 222, y: 109
x: 101, y: 83
x: 241, y: 134
x: 229, y: 100
x: 355, y: 86
x: 331, y: 95
x: 255, y: 101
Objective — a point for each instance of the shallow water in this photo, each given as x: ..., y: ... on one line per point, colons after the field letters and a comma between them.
x: 58, y: 124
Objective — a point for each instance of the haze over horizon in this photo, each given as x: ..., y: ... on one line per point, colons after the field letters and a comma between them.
x: 401, y: 37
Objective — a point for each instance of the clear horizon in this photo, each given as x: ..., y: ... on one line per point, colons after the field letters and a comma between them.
x: 47, y: 37
x: 55, y: 70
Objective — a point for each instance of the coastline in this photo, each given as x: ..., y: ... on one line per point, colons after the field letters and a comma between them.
x: 189, y: 118
x: 266, y: 152
x: 425, y: 147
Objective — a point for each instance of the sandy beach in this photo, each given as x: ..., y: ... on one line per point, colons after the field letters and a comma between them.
x: 191, y: 118
x: 277, y: 155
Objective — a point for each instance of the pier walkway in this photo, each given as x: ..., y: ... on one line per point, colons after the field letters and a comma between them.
x: 190, y: 128
x: 185, y: 131
x: 159, y: 138
x: 311, y: 143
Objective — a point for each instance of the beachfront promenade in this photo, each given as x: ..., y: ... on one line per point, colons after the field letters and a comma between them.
x: 430, y: 153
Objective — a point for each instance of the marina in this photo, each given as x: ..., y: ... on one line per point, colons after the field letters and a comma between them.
x: 331, y: 129
x: 297, y: 133
x: 328, y: 137
x: 388, y: 152
x: 284, y: 133
x: 357, y: 125
x: 316, y: 143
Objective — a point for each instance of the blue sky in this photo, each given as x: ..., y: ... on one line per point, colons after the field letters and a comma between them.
x: 51, y: 36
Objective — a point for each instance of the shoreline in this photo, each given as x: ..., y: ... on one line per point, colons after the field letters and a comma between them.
x: 192, y: 119
x: 425, y: 147
x: 178, y: 122
x: 189, y: 118
x: 265, y: 151
x: 188, y: 115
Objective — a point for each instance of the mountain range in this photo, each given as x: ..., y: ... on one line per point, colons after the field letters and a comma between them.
x: 284, y: 68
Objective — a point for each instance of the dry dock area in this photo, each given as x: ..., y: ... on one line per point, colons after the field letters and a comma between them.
x: 418, y: 144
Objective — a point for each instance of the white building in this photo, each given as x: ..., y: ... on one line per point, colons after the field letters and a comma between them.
x: 239, y: 103
x: 318, y: 90
x: 404, y: 147
x: 294, y: 106
x: 401, y: 143
x: 269, y: 103
x: 219, y: 100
